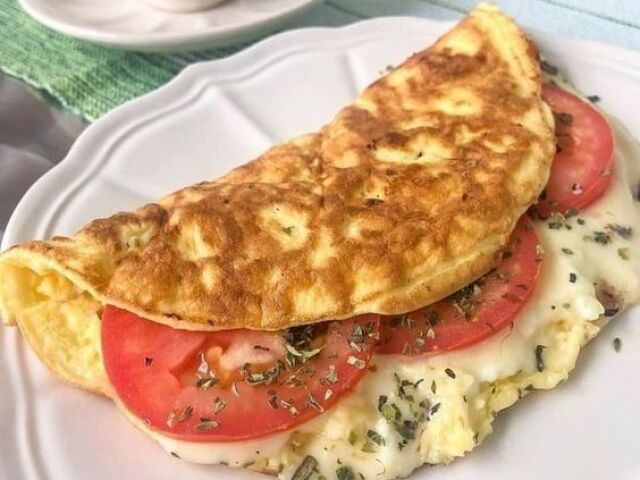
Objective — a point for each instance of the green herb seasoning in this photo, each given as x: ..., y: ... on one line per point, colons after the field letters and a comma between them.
x: 602, y: 238
x: 303, y: 354
x: 373, y: 442
x: 301, y: 338
x: 406, y: 321
x: 218, y: 405
x: 558, y: 221
x: 332, y: 375
x: 407, y: 429
x: 267, y: 377
x: 345, y: 473
x: 564, y: 118
x: 307, y: 469
x: 391, y: 412
x: 465, y: 299
x: 548, y: 68
x: 185, y: 414
x: 382, y: 400
x: 206, y: 383
x: 432, y: 317
x: 207, y: 424
x: 375, y: 437
x: 356, y: 362
x: 624, y: 231
x: 617, y: 344
x: 171, y: 419
x: 539, y: 357
x: 315, y: 404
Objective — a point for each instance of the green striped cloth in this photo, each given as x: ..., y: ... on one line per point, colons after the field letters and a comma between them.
x: 89, y: 80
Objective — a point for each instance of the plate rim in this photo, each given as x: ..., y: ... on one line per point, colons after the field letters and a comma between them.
x: 210, y: 37
x: 227, y: 69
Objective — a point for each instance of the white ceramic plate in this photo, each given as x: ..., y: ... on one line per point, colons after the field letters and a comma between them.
x: 217, y: 115
x: 133, y: 24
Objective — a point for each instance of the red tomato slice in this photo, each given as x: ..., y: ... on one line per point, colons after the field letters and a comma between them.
x: 474, y: 313
x: 236, y: 384
x: 581, y: 170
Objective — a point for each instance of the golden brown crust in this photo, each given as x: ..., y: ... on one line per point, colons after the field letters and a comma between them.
x: 406, y: 196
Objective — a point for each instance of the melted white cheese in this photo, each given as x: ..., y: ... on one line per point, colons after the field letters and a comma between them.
x: 490, y: 376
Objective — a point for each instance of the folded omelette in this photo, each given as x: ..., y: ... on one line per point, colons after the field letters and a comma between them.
x: 406, y: 196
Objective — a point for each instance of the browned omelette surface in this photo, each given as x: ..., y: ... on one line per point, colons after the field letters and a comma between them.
x: 407, y: 195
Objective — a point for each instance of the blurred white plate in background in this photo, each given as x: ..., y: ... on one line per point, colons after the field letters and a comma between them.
x: 136, y: 25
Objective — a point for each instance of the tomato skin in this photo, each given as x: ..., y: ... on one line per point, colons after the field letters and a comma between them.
x: 581, y: 170
x: 441, y: 327
x: 154, y: 371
